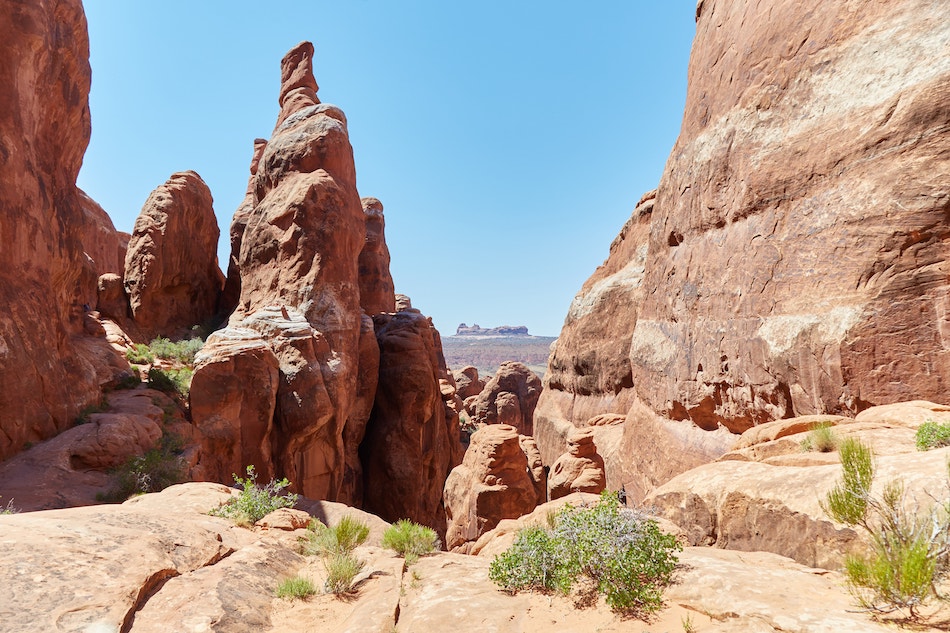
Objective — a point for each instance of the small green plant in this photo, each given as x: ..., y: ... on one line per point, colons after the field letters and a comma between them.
x: 822, y: 438
x: 9, y: 508
x: 931, y: 434
x: 908, y: 551
x: 296, y: 588
x: 342, y: 538
x: 688, y: 626
x: 255, y: 502
x: 342, y: 569
x: 410, y: 540
x: 174, y: 381
x: 140, y: 354
x: 620, y: 553
x: 154, y: 471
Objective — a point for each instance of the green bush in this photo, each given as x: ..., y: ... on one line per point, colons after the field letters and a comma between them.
x: 181, y: 351
x: 822, y: 438
x: 296, y: 588
x: 341, y: 568
x: 410, y: 540
x: 140, y: 354
x: 342, y: 538
x: 255, y: 502
x: 620, y: 552
x: 931, y: 434
x: 908, y: 551
x: 154, y: 471
x: 174, y: 381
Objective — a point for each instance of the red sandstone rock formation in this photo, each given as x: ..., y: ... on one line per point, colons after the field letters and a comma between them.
x: 412, y: 439
x: 467, y: 382
x: 171, y: 267
x: 232, y: 286
x: 303, y: 228
x: 100, y: 241
x: 377, y: 293
x: 491, y: 484
x: 580, y: 469
x: 509, y: 397
x: 45, y: 277
x: 793, y: 262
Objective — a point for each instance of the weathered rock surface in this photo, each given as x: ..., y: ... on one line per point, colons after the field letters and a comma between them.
x: 589, y: 370
x: 72, y: 468
x: 786, y: 165
x: 765, y: 495
x: 792, y: 261
x: 580, y: 469
x: 467, y: 382
x: 161, y: 564
x: 232, y: 400
x: 100, y: 241
x: 377, y: 292
x: 412, y: 439
x: 171, y: 267
x: 45, y: 277
x: 231, y: 293
x: 111, y: 300
x: 509, y: 398
x: 299, y: 291
x: 492, y: 483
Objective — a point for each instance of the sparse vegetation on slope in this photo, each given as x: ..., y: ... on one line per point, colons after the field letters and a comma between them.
x: 620, y: 552
x: 255, y: 502
x: 154, y: 471
x: 908, y: 552
x: 822, y: 438
x: 296, y: 588
x: 336, y: 544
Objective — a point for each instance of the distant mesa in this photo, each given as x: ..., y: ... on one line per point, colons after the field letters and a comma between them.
x: 504, y: 330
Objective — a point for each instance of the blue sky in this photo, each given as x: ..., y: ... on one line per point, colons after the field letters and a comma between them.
x: 508, y: 142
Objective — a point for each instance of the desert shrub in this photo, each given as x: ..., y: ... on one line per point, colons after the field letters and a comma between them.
x: 296, y: 588
x: 341, y: 568
x: 620, y: 552
x: 822, y: 438
x: 181, y: 351
x: 140, y: 354
x: 908, y: 550
x: 9, y: 508
x: 154, y: 471
x: 174, y: 381
x: 255, y: 502
x: 342, y: 538
x: 410, y: 540
x: 931, y: 434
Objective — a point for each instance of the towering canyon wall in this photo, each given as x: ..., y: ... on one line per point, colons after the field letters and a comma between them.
x: 45, y: 277
x: 794, y: 260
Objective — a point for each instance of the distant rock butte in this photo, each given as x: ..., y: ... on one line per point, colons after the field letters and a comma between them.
x: 504, y: 330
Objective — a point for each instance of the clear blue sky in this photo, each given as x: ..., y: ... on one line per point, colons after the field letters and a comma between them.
x: 508, y: 142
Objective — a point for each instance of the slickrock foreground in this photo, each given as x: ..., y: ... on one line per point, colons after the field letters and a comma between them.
x: 170, y: 567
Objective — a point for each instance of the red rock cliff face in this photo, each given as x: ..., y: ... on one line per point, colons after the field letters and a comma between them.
x: 794, y: 261
x: 44, y: 276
